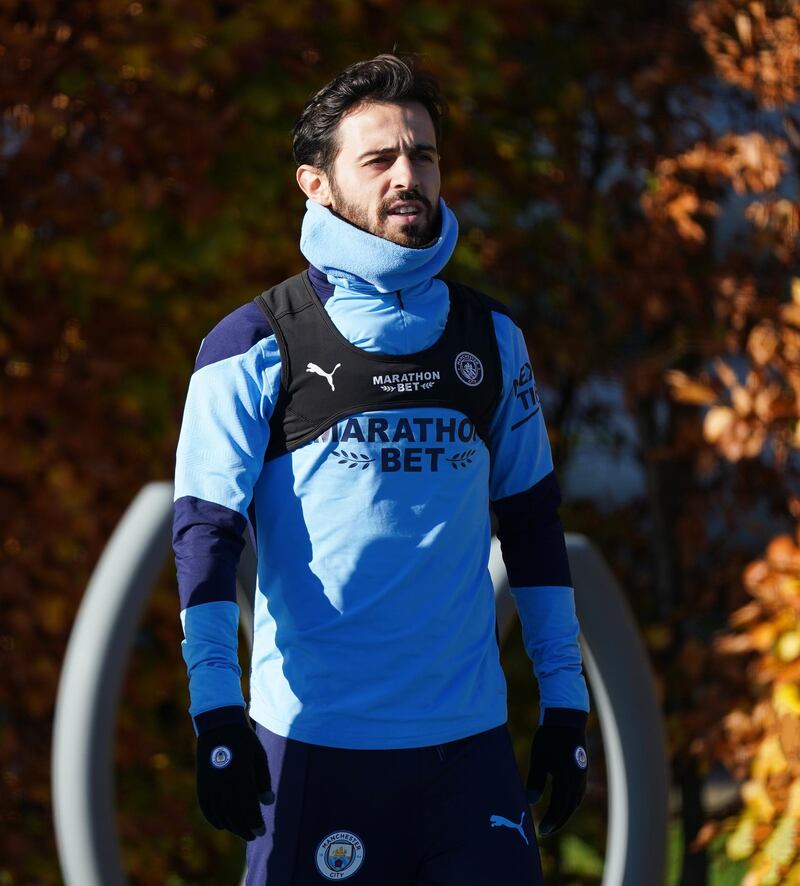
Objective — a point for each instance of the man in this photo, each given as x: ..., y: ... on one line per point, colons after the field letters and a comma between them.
x: 360, y: 416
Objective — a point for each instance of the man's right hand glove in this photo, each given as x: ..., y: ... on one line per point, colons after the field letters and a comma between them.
x: 232, y: 772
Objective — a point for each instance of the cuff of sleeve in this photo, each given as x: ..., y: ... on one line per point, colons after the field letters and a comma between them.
x: 565, y: 717
x: 550, y: 631
x: 230, y: 714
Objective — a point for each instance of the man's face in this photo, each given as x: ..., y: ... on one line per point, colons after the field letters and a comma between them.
x: 385, y: 178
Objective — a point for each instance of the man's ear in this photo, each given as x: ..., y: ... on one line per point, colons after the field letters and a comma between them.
x: 314, y: 184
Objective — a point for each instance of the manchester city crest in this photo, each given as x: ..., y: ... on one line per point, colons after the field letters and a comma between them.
x: 340, y: 855
x: 220, y: 757
x: 469, y: 369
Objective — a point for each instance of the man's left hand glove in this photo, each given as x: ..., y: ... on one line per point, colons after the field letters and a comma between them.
x: 559, y: 749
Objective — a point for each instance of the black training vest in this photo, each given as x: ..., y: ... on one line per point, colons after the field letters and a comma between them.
x: 325, y: 378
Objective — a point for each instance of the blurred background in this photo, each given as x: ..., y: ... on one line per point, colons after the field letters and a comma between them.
x: 625, y: 177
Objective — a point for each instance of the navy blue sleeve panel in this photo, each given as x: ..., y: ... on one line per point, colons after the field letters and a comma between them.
x: 531, y: 536
x: 497, y: 306
x: 234, y: 334
x: 208, y: 540
x: 322, y: 286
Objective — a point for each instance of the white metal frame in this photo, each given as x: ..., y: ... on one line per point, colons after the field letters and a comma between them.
x: 615, y: 661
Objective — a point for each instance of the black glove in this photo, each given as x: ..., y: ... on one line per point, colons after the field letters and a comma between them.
x: 559, y: 748
x: 232, y: 772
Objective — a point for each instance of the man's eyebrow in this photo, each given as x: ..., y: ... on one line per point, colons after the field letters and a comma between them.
x: 415, y: 149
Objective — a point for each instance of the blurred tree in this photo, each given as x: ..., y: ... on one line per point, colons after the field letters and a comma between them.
x: 593, y: 154
x: 747, y: 382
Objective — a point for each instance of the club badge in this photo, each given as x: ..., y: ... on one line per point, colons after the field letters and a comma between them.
x: 221, y: 756
x: 340, y: 855
x: 469, y: 369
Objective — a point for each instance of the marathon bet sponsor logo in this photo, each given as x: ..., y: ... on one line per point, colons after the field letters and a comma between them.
x: 469, y: 369
x: 340, y: 855
x: 404, y: 382
x: 410, y: 445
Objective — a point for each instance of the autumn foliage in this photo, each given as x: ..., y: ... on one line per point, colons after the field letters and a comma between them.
x: 749, y: 391
x: 625, y: 178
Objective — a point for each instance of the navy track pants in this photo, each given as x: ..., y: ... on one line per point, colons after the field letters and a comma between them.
x: 444, y: 815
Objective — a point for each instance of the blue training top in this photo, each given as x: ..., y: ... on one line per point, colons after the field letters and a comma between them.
x: 374, y: 608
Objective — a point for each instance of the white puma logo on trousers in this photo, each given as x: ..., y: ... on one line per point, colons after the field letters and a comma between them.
x: 312, y: 367
x: 498, y: 821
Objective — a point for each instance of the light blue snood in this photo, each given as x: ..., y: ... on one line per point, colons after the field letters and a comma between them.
x: 355, y: 260
x: 385, y: 296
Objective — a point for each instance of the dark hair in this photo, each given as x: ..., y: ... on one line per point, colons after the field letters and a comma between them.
x: 385, y: 78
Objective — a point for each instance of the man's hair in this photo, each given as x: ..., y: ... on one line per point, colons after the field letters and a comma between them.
x: 385, y: 78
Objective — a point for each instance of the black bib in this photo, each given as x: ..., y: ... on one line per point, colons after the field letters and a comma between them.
x: 325, y: 378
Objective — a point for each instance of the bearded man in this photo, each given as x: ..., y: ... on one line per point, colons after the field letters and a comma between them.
x: 360, y: 417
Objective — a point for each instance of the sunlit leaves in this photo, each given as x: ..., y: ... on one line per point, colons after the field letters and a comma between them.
x: 769, y: 626
x: 753, y: 44
x: 741, y: 844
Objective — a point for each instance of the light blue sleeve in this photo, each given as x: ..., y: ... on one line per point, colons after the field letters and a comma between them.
x: 210, y: 653
x: 550, y: 634
x: 525, y: 494
x: 225, y: 427
x: 220, y: 454
x: 520, y: 449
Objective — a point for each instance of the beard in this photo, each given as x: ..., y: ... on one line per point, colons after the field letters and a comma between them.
x: 415, y: 235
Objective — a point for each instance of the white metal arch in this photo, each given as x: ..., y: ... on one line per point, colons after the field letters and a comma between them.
x: 615, y: 660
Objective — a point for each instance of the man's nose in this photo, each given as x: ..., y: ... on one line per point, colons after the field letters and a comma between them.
x: 404, y: 175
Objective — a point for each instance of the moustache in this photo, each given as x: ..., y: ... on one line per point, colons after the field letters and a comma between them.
x: 386, y: 208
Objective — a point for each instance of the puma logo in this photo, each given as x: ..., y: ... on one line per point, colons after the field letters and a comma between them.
x: 312, y: 367
x: 498, y: 821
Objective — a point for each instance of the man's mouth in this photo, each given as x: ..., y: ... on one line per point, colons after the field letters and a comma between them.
x: 407, y: 209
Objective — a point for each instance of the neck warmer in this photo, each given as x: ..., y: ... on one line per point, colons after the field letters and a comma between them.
x: 358, y: 261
